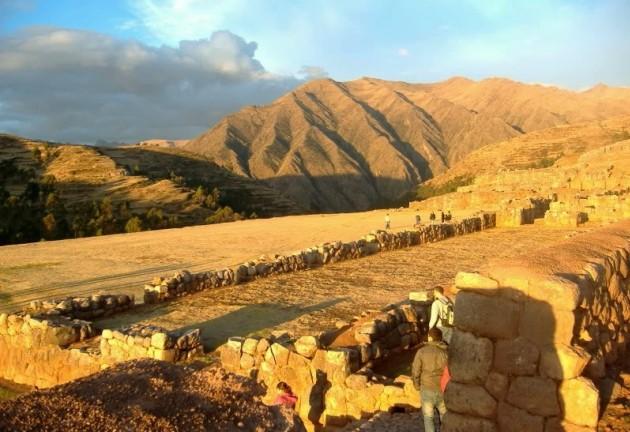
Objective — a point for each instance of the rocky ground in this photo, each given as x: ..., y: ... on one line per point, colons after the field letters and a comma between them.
x: 147, y: 396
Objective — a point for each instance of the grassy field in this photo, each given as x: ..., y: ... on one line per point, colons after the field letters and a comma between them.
x: 125, y: 262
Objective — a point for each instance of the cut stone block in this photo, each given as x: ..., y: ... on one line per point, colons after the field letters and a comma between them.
x: 470, y: 399
x: 470, y: 357
x: 516, y: 357
x: 494, y: 317
x: 512, y: 419
x: 579, y: 400
x: 453, y: 422
x: 536, y: 395
x: 563, y: 362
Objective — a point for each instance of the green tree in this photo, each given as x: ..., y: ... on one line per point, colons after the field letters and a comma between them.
x: 134, y: 225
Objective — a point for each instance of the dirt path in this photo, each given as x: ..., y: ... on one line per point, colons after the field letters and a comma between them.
x: 314, y: 300
x: 125, y: 262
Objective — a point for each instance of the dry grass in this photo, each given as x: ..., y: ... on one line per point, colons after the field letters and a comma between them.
x: 313, y: 300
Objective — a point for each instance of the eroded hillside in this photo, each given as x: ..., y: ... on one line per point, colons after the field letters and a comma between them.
x: 346, y: 146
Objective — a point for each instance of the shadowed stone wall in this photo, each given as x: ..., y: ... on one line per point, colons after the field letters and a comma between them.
x: 535, y: 334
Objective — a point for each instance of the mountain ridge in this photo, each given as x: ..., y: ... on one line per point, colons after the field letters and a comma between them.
x: 341, y: 146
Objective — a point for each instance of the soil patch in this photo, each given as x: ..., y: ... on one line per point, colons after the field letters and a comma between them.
x: 148, y: 395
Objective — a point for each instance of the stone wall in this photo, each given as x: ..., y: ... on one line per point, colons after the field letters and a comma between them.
x: 331, y: 373
x: 84, y: 308
x: 535, y: 334
x: 51, y: 348
x: 185, y: 282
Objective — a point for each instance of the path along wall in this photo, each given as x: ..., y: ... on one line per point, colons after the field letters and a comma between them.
x: 534, y: 335
x: 185, y: 282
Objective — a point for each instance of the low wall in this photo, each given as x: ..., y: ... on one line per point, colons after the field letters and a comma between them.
x: 51, y: 349
x: 331, y: 373
x: 534, y: 335
x: 185, y: 282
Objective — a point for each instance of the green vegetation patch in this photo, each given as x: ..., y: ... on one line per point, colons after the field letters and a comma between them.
x: 425, y: 190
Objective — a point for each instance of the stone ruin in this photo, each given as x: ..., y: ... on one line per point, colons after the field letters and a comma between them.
x: 54, y: 341
x: 535, y: 334
x: 332, y: 373
x: 185, y: 282
x: 46, y: 344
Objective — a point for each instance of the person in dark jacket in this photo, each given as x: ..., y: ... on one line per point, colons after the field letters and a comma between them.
x: 426, y: 372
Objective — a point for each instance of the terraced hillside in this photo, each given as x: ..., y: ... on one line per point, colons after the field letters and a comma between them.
x: 555, y: 147
x: 97, y: 190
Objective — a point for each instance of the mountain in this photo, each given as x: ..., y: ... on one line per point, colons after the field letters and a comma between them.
x: 340, y: 146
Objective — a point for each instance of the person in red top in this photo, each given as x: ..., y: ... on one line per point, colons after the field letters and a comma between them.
x: 285, y: 395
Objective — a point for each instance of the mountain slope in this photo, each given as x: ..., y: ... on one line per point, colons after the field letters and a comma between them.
x: 333, y: 146
x: 54, y: 191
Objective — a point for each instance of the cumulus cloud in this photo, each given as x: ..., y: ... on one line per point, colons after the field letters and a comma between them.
x: 312, y: 72
x: 403, y: 52
x: 80, y: 86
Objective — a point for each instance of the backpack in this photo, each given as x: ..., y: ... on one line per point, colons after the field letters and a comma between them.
x: 447, y: 315
x: 446, y: 377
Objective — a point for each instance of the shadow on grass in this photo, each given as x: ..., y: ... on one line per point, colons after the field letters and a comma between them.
x: 252, y: 320
x: 249, y: 319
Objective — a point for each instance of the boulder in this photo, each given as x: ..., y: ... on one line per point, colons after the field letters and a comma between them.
x: 579, y: 400
x: 555, y: 424
x: 534, y: 394
x: 307, y: 346
x: 497, y: 385
x: 545, y: 326
x: 470, y: 399
x: 516, y: 357
x: 250, y: 345
x: 563, y: 362
x: 512, y: 419
x: 475, y: 281
x: 494, y: 317
x: 470, y: 357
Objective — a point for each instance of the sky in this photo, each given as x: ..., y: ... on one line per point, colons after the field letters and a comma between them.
x: 125, y: 70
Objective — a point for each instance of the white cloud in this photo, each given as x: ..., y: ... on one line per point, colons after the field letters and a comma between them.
x: 403, y: 52
x: 80, y: 86
x: 312, y: 72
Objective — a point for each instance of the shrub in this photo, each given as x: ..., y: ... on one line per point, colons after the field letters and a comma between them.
x: 133, y: 225
x: 425, y: 191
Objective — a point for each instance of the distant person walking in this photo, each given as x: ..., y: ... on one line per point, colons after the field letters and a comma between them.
x: 442, y: 316
x: 417, y: 224
x: 388, y: 221
x: 442, y: 215
x: 449, y: 216
x: 432, y: 217
x: 426, y: 372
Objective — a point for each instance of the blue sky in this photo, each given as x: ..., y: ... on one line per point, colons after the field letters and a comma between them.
x: 278, y: 44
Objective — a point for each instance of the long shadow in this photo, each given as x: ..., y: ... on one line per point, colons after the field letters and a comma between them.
x: 250, y: 319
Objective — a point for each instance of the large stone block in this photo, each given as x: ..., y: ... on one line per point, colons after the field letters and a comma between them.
x: 535, y: 394
x: 563, y: 362
x: 475, y: 281
x: 497, y: 385
x: 494, y: 317
x: 516, y: 357
x: 512, y: 419
x: 454, y: 422
x: 470, y: 357
x: 307, y: 346
x: 470, y: 399
x: 545, y: 326
x: 579, y: 400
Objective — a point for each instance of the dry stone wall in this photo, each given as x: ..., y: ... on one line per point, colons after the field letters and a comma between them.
x: 535, y: 334
x: 47, y: 345
x: 185, y: 282
x: 334, y: 383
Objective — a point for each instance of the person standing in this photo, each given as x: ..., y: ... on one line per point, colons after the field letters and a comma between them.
x: 417, y: 224
x: 388, y: 221
x: 426, y: 372
x: 442, y: 316
x: 432, y: 217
